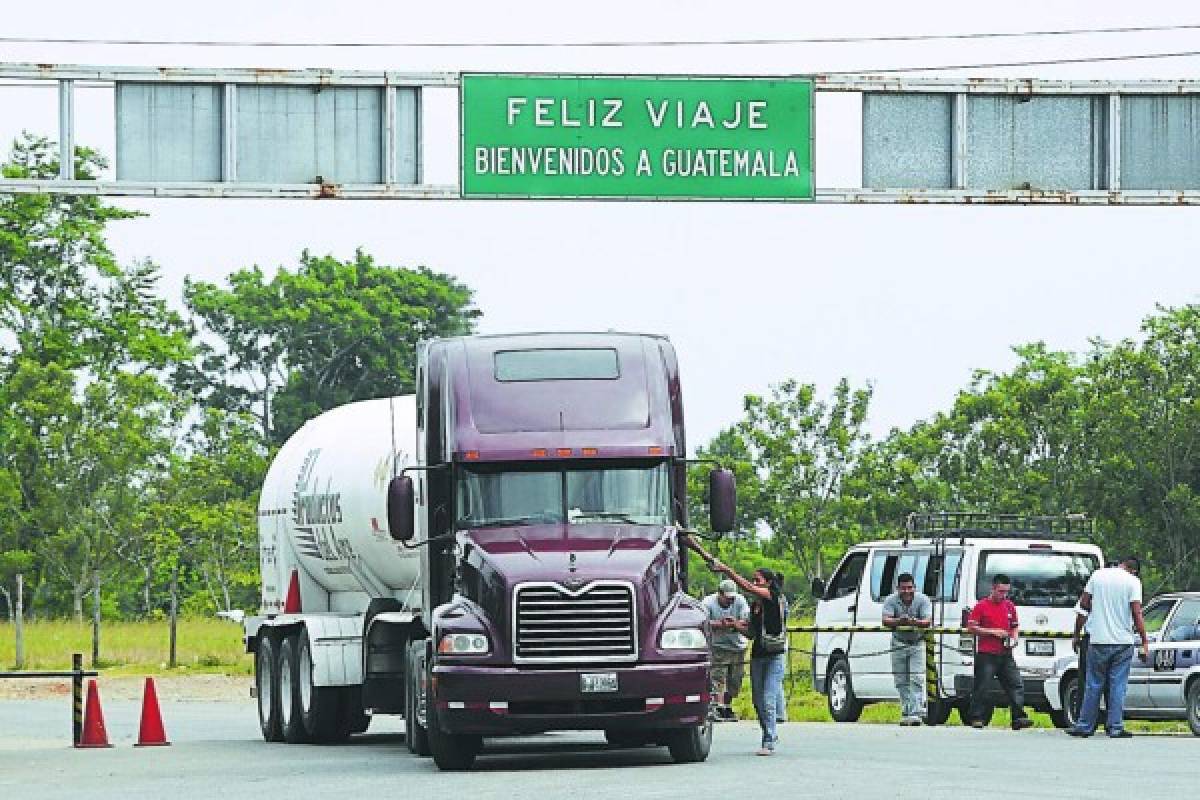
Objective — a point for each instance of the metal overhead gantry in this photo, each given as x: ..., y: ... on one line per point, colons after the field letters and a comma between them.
x: 315, y: 133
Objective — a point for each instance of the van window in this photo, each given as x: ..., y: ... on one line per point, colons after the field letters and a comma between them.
x: 848, y: 576
x: 890, y: 565
x: 1040, y: 578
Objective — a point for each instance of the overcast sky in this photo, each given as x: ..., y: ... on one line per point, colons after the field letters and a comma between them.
x: 910, y: 299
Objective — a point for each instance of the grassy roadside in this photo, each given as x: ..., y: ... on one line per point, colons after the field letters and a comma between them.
x: 203, y: 645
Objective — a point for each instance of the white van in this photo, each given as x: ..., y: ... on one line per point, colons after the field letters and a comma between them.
x: 953, y: 558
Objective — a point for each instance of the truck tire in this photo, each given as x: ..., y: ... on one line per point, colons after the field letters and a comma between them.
x: 1193, y: 707
x: 266, y: 683
x: 416, y: 737
x: 452, y: 752
x: 690, y: 745
x: 844, y: 706
x: 319, y: 706
x: 289, y: 695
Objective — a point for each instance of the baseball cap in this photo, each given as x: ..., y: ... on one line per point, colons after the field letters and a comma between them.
x: 727, y: 586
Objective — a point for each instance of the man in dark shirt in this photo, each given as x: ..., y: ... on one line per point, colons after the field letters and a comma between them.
x: 993, y: 620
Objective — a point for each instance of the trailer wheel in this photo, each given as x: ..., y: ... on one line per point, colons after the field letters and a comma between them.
x: 416, y: 736
x: 266, y: 682
x: 319, y: 706
x: 289, y: 692
x: 690, y: 745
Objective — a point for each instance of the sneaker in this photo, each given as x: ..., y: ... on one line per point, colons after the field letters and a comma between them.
x: 977, y: 724
x: 1121, y: 734
x: 1078, y: 733
x: 909, y: 722
x: 764, y: 751
x: 1020, y: 723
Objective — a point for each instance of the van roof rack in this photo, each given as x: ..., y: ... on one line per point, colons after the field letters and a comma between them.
x: 973, y: 524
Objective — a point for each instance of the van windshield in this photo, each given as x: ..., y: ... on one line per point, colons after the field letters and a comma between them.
x: 624, y: 493
x: 1042, y: 579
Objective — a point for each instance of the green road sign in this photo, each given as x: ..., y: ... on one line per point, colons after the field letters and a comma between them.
x: 556, y: 136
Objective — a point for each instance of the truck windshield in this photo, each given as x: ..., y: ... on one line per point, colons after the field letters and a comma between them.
x: 1043, y: 579
x: 626, y: 494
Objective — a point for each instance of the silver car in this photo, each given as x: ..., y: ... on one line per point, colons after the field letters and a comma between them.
x: 1164, y: 686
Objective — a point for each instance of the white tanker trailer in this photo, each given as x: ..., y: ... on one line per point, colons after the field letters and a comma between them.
x: 501, y: 553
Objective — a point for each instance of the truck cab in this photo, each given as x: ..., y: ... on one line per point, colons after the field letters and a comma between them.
x: 549, y: 495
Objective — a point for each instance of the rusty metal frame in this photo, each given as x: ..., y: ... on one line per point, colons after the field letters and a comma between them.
x: 68, y: 78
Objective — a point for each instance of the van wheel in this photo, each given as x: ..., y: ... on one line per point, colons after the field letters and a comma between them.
x: 266, y: 683
x: 1193, y: 707
x: 690, y: 745
x: 843, y: 705
x: 964, y: 712
x: 938, y: 712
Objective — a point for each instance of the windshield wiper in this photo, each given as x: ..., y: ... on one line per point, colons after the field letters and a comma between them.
x: 615, y: 516
x: 502, y: 521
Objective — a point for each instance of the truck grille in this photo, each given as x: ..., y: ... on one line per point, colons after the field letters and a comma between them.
x: 553, y: 624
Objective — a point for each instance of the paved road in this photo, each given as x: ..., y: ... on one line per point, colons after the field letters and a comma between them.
x: 217, y: 753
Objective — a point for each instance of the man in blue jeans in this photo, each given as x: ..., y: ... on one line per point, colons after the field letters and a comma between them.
x: 1113, y: 600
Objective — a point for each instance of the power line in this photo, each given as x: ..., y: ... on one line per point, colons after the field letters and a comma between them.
x: 1030, y: 63
x: 612, y: 43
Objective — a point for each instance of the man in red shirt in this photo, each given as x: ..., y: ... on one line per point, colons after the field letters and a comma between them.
x: 993, y: 620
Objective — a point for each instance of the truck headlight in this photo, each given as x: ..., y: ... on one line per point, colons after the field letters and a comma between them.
x: 463, y: 644
x: 683, y: 639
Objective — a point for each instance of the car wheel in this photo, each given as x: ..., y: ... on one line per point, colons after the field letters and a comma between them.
x: 623, y: 738
x: 844, y: 706
x: 1069, y: 695
x: 1193, y: 706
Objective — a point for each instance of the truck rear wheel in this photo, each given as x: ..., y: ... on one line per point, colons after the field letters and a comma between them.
x: 690, y: 745
x: 266, y: 683
x: 319, y: 706
x: 290, y: 720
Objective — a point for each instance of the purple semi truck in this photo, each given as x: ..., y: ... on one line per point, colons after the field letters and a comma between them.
x: 502, y: 553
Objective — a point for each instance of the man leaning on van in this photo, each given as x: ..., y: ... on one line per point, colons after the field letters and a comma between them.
x: 907, y: 607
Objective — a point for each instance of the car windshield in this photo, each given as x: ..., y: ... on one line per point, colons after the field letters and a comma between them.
x: 1040, y: 578
x: 630, y: 494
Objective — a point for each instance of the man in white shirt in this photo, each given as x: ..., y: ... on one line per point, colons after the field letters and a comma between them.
x: 1113, y: 600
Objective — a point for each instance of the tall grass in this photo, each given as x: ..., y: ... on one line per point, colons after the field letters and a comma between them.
x: 203, y: 644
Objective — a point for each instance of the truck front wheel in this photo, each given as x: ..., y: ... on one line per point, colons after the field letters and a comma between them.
x: 266, y: 684
x: 415, y: 734
x: 452, y: 752
x: 690, y: 745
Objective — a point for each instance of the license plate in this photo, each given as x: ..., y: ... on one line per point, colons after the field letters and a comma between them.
x: 1039, y: 647
x: 590, y: 682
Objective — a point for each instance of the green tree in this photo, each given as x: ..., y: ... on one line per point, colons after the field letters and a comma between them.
x: 327, y: 334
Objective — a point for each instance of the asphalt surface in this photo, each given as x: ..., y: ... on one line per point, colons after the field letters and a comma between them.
x: 216, y: 751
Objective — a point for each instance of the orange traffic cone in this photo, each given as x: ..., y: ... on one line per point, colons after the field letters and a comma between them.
x: 94, y: 734
x: 151, y: 732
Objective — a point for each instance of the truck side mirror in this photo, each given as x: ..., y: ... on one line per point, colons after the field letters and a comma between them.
x: 722, y: 500
x: 818, y: 588
x: 400, y: 508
